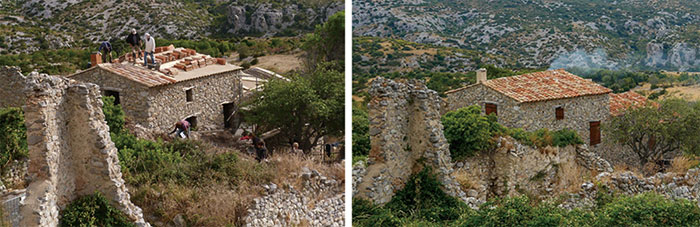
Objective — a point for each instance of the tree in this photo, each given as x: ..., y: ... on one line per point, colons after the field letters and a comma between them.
x: 327, y: 43
x: 305, y: 108
x: 655, y: 130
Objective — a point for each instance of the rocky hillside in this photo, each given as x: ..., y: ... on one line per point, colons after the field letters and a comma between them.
x: 27, y: 26
x: 642, y: 34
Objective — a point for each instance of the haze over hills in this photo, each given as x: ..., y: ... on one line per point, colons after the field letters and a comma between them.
x: 27, y: 26
x: 637, y: 34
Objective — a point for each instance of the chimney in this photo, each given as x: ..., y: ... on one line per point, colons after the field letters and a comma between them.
x: 95, y: 59
x: 481, y: 75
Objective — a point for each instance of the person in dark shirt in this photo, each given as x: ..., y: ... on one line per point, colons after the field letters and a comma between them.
x: 134, y: 40
x: 106, y: 51
x: 261, y: 151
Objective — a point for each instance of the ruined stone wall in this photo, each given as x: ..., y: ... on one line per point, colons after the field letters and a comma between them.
x: 578, y: 111
x: 515, y: 169
x: 209, y: 94
x: 404, y: 127
x: 11, y: 81
x: 134, y: 98
x: 70, y: 151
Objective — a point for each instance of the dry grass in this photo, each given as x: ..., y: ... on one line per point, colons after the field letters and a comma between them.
x: 221, y: 200
x: 466, y: 179
x: 289, y: 166
x: 681, y: 164
x: 571, y: 176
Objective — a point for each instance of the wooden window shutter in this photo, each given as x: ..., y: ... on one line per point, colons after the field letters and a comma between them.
x: 595, y: 132
x: 560, y: 113
x: 491, y: 109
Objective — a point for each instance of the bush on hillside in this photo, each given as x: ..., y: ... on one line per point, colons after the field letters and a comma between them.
x: 93, y: 210
x: 360, y: 133
x: 468, y: 131
x: 114, y: 115
x: 13, y: 136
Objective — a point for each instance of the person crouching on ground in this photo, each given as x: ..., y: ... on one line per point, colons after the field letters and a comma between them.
x: 150, y: 49
x: 106, y: 51
x: 181, y: 127
x: 260, y: 151
x: 134, y: 40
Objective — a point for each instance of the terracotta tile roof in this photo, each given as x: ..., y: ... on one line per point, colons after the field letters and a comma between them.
x: 620, y: 102
x: 142, y: 75
x: 546, y: 85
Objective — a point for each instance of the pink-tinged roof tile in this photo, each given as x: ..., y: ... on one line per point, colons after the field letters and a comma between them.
x: 546, y: 85
x: 620, y: 102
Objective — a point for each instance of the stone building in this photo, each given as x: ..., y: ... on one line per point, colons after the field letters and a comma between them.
x: 553, y: 99
x: 187, y: 85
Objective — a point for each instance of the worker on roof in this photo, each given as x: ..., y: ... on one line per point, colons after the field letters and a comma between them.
x: 106, y: 51
x: 134, y: 40
x: 150, y: 49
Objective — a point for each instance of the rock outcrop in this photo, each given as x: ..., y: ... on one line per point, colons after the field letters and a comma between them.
x: 267, y: 19
x: 70, y: 150
x: 406, y: 135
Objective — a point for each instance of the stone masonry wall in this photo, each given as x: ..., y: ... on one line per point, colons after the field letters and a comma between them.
x: 578, y: 111
x: 404, y: 127
x: 70, y: 151
x: 209, y: 94
x: 12, y: 81
x: 133, y: 96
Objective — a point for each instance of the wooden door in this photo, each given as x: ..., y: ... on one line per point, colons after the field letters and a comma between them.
x: 491, y: 108
x: 595, y: 132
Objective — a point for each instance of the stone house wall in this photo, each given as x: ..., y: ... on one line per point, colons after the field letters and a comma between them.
x: 169, y: 104
x: 11, y: 82
x: 133, y: 96
x: 159, y: 107
x: 531, y: 116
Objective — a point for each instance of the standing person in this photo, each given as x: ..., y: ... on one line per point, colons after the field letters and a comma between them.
x: 134, y: 40
x: 295, y: 148
x: 106, y: 51
x: 180, y: 127
x: 261, y: 151
x: 150, y: 49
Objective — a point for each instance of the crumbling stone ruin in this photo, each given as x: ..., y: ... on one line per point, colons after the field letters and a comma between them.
x: 404, y: 129
x: 70, y: 150
x: 513, y: 168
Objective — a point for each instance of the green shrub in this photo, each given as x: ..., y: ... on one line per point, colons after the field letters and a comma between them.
x: 114, y: 115
x: 515, y: 211
x: 648, y: 210
x: 468, y: 131
x: 360, y: 133
x: 565, y: 137
x: 92, y: 210
x: 13, y: 136
x: 364, y: 213
x: 423, y: 198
